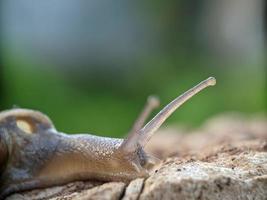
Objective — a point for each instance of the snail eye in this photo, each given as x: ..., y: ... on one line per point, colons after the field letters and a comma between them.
x: 25, y: 126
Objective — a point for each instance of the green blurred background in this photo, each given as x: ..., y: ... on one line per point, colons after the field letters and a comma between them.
x: 90, y: 65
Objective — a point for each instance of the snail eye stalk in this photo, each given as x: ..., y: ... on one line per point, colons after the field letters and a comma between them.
x: 142, y: 136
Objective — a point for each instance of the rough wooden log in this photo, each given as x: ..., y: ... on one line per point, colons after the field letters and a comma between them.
x: 225, y: 159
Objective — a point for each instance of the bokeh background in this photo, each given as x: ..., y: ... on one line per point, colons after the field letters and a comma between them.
x: 90, y: 65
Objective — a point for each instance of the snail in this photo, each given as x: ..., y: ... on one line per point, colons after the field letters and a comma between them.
x: 33, y: 154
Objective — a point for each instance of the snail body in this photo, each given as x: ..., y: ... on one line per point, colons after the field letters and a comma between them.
x: 33, y: 154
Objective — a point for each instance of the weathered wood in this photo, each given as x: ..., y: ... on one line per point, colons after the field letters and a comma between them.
x: 225, y: 159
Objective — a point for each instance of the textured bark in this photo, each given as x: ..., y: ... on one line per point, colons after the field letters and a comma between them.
x: 224, y: 159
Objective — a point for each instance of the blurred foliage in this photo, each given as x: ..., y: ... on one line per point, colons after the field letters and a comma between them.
x: 94, y: 95
x: 111, y: 109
